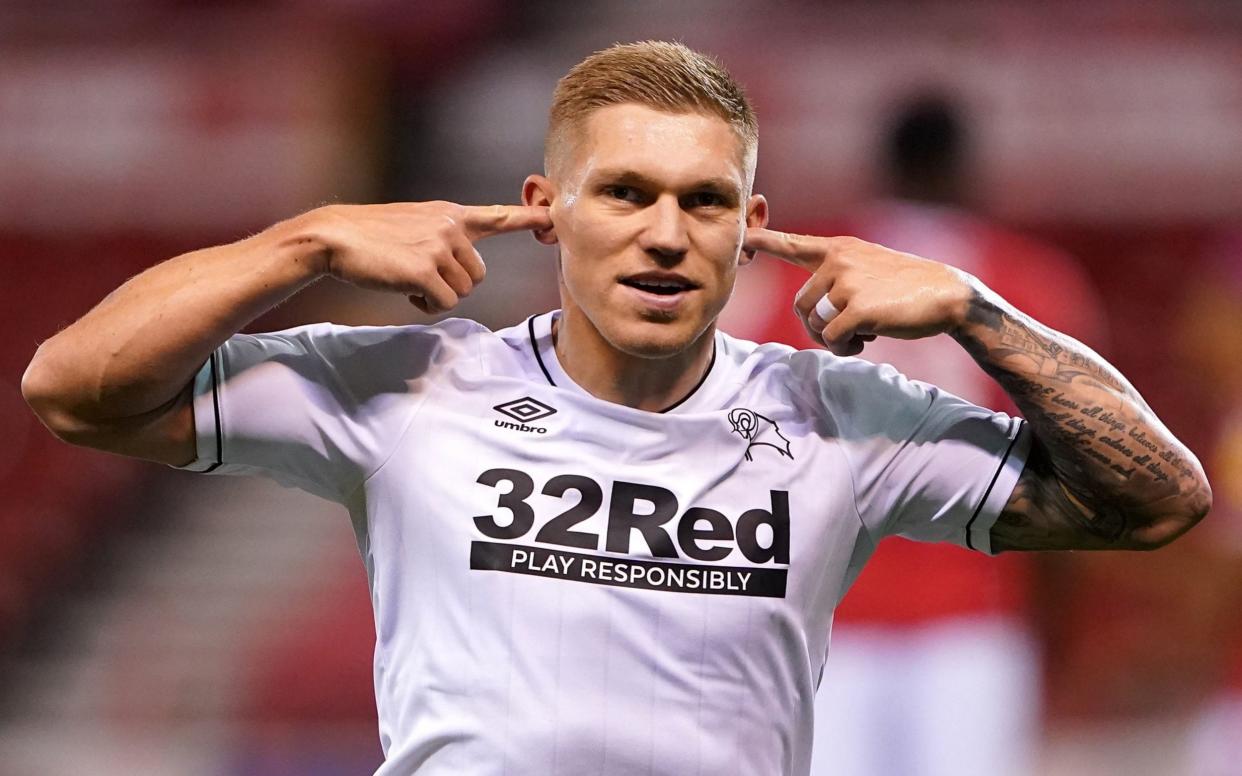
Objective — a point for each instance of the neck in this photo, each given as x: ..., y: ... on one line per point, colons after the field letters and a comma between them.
x: 650, y: 384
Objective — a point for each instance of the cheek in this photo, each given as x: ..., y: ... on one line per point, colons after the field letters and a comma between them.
x: 722, y: 243
x: 591, y: 236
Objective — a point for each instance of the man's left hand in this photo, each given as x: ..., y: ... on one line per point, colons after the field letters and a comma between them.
x: 875, y: 291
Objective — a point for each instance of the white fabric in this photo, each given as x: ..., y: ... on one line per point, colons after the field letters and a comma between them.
x: 623, y: 637
x: 953, y: 697
x: 1215, y: 746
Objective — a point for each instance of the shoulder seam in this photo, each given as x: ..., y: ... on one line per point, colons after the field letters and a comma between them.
x: 818, y: 400
x: 396, y: 445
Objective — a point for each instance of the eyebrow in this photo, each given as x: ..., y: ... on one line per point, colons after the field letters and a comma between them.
x: 635, y: 178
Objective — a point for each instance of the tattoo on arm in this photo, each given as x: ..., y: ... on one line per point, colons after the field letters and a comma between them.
x: 1042, y: 515
x: 1103, y: 472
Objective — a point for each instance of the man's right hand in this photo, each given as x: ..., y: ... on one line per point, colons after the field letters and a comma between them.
x: 422, y: 249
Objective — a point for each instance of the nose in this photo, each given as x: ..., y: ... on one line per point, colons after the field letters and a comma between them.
x: 664, y: 234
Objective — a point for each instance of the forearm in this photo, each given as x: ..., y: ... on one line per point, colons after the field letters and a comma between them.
x: 1130, y: 481
x: 138, y: 348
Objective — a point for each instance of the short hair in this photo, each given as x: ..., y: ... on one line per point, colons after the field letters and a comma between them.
x: 658, y: 74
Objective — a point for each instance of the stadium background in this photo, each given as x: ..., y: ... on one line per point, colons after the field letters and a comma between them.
x: 156, y: 622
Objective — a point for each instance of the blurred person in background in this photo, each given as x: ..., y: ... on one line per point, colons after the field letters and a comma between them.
x: 649, y: 199
x: 932, y: 635
x: 1209, y: 336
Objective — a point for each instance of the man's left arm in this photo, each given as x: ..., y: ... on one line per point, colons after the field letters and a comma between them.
x: 1103, y: 472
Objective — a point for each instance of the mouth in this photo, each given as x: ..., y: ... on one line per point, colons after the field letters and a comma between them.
x: 659, y: 284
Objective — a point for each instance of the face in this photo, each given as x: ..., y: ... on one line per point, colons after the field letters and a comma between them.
x: 649, y: 209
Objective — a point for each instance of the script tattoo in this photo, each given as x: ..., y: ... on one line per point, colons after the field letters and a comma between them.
x: 1103, y: 472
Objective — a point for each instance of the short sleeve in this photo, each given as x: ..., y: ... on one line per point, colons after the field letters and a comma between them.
x: 317, y: 407
x: 926, y: 465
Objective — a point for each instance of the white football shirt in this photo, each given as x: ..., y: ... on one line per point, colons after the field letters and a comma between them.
x: 563, y: 585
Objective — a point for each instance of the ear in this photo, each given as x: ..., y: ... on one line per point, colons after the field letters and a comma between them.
x: 756, y: 216
x: 539, y: 190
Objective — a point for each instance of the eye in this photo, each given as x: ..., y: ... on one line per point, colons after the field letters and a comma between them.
x: 623, y: 193
x: 704, y: 199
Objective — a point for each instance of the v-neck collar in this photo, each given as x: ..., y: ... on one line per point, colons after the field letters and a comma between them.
x: 539, y: 328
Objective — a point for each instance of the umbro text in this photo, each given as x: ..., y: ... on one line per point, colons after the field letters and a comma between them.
x: 521, y: 427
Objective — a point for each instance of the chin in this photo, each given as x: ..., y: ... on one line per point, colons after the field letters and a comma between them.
x: 654, y: 336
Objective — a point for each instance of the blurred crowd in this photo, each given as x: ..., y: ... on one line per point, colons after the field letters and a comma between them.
x: 1083, y: 159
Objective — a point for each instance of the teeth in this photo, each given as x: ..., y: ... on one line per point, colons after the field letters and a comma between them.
x: 661, y: 283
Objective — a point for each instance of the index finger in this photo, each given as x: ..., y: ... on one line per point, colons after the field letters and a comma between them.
x: 797, y: 249
x: 487, y: 220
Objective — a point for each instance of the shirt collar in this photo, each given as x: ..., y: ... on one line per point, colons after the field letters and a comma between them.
x: 539, y: 328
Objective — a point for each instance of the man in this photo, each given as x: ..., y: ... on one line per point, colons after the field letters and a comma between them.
x: 609, y: 540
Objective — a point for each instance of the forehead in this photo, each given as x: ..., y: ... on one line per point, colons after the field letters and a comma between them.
x: 664, y: 146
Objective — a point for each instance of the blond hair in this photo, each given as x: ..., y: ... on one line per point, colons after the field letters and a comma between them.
x: 661, y: 75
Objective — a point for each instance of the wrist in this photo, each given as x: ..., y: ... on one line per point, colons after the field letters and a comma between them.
x: 300, y: 242
x: 971, y: 304
x: 983, y: 312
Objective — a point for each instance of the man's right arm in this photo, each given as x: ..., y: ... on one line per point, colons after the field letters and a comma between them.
x: 119, y: 378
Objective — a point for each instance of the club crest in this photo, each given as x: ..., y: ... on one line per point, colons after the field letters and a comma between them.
x: 759, y: 431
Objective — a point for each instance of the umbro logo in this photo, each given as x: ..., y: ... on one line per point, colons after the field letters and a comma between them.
x: 524, y: 410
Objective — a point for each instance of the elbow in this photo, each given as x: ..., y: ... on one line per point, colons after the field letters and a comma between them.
x: 37, y: 388
x: 1198, y: 505
x: 50, y: 402
x: 1172, y: 524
